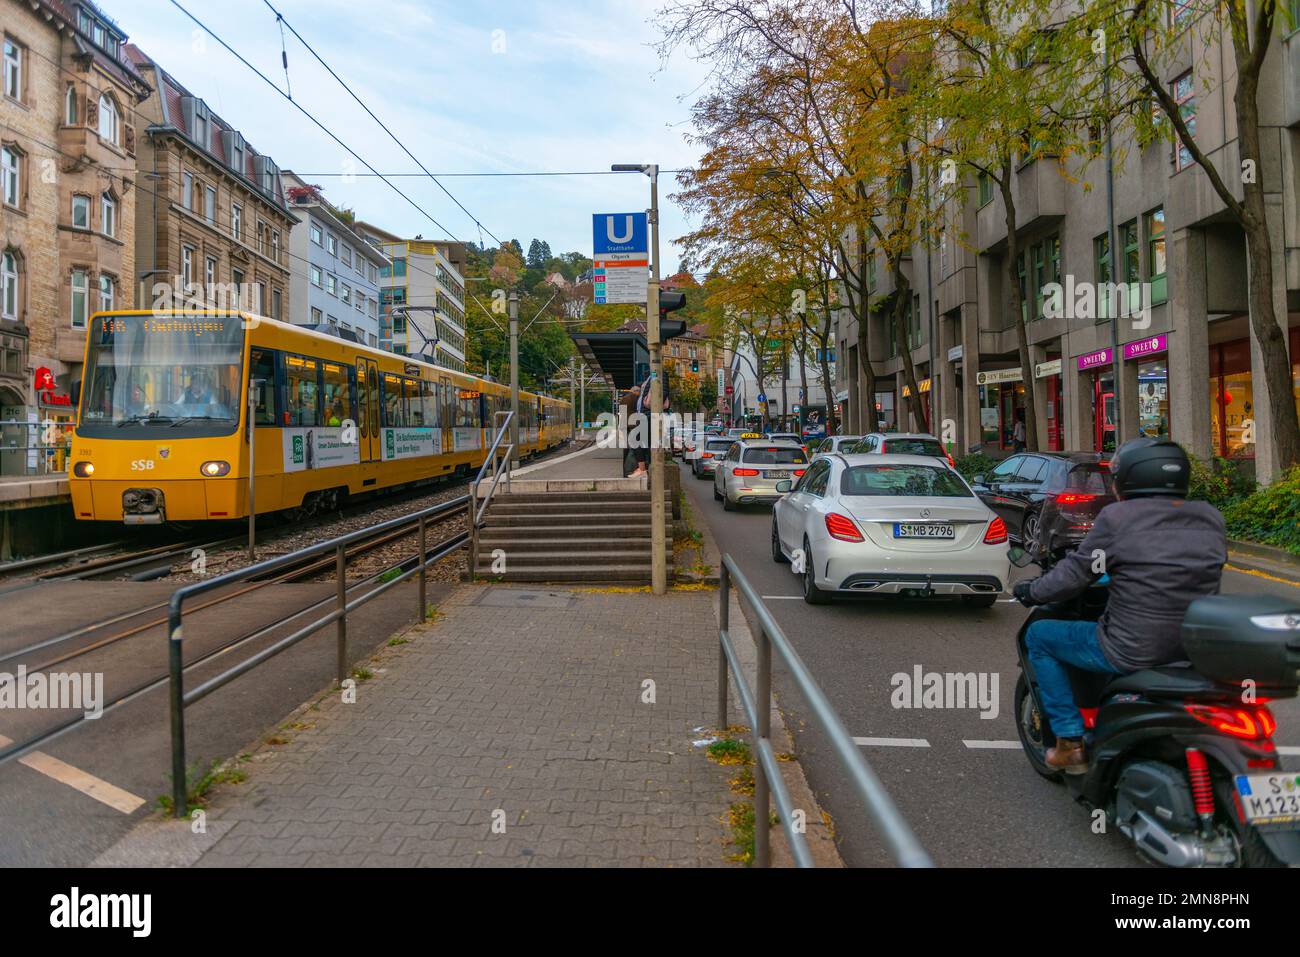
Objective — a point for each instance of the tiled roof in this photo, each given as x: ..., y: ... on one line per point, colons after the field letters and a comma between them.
x: 123, y: 69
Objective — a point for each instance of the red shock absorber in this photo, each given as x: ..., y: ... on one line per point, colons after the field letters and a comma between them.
x: 1198, y: 773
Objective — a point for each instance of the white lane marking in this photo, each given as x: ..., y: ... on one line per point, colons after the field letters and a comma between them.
x: 891, y: 742
x: 1288, y: 750
x: 87, y: 784
x: 993, y: 745
x: 785, y: 597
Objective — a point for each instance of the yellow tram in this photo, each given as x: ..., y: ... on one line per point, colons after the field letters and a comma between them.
x: 163, y: 434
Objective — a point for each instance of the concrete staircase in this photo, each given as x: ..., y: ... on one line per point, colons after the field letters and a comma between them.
x: 586, y: 536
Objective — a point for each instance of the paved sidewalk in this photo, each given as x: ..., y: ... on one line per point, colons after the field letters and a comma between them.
x: 526, y: 705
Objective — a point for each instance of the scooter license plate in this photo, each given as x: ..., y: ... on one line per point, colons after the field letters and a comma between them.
x: 1270, y: 798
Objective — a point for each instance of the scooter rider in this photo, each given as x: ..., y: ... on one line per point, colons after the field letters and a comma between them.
x: 1160, y: 552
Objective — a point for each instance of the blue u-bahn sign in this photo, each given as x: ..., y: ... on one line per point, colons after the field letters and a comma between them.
x: 619, y: 233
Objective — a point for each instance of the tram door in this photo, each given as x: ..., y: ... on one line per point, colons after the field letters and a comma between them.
x: 368, y: 409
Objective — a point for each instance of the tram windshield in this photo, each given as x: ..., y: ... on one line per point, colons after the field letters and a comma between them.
x: 155, y: 372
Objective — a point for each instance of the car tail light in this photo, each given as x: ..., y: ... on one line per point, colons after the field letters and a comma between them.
x: 706, y: 455
x: 799, y: 472
x: 743, y: 472
x: 1075, y: 498
x: 1254, y: 723
x: 997, y: 532
x: 842, y: 527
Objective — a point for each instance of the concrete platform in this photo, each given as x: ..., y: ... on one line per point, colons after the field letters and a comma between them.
x: 33, y: 491
x: 592, y: 469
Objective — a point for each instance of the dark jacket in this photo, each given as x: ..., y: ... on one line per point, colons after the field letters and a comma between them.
x: 1160, y: 554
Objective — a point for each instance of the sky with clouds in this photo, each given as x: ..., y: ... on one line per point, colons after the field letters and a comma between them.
x: 505, y: 87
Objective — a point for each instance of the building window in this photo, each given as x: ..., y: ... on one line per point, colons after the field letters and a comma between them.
x: 346, y: 254
x: 275, y: 245
x: 315, y: 316
x: 9, y: 286
x: 315, y: 233
x: 10, y: 180
x: 105, y: 292
x: 1128, y: 234
x: 107, y: 119
x: 187, y: 265
x: 13, y: 69
x: 345, y: 292
x: 331, y: 244
x: 275, y: 304
x: 70, y: 106
x: 315, y: 276
x: 1185, y: 96
x: 187, y: 190
x: 210, y: 274
x: 1181, y: 11
x: 210, y: 204
x: 331, y: 284
x: 81, y: 212
x: 236, y: 221
x: 1156, y: 255
x: 985, y: 189
x: 201, y: 129
x: 108, y: 214
x: 80, y: 298
x: 237, y: 279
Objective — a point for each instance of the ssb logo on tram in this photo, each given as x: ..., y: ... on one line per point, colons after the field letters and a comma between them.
x: 141, y: 465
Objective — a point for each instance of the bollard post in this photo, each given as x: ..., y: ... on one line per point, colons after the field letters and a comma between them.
x: 724, y: 626
x: 762, y: 787
x: 423, y: 556
x: 180, y: 791
x: 340, y: 573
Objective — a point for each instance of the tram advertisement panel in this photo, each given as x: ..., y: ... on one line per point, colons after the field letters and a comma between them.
x: 317, y: 448
x: 411, y: 443
x: 464, y: 439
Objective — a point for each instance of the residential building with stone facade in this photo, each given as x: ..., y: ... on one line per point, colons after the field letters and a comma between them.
x: 214, y: 227
x: 1189, y: 366
x: 68, y: 198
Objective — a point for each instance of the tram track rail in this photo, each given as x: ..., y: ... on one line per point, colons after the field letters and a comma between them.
x: 457, y: 508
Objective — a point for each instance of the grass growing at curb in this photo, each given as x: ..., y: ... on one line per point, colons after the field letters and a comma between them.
x: 198, y: 785
x: 390, y: 575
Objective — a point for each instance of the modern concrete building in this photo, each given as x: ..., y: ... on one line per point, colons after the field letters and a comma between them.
x: 1186, y: 364
x: 426, y: 278
x: 334, y: 271
x: 68, y: 197
x: 216, y: 219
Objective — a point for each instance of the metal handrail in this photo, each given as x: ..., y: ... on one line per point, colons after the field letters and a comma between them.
x: 477, y: 509
x: 883, y: 813
x: 180, y: 699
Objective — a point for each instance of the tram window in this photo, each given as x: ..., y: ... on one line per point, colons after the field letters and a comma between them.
x: 363, y: 401
x: 337, y: 394
x: 414, y: 404
x: 303, y: 394
x: 467, y: 410
x: 429, y: 403
x: 394, y: 402
x: 261, y: 371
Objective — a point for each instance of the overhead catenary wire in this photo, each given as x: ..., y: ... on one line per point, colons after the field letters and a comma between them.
x: 307, y: 113
x: 371, y: 113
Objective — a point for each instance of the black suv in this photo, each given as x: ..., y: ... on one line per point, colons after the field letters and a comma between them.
x: 1049, y: 500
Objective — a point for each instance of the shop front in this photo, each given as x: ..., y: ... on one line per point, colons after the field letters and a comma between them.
x: 57, y: 417
x: 924, y: 387
x: 1232, y: 396
x: 1151, y: 356
x: 1049, y: 374
x: 885, y: 412
x: 1002, y: 399
x: 1098, y: 371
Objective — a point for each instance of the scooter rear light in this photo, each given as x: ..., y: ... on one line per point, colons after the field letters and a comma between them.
x: 842, y: 527
x: 997, y: 532
x: 1253, y: 723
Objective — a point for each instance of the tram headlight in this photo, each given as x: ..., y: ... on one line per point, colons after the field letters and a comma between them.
x: 215, y: 469
x: 83, y: 469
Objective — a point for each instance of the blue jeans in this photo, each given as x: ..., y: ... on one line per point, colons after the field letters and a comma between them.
x: 1053, y: 644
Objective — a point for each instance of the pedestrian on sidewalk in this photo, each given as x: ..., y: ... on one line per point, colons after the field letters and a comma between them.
x: 1019, y: 432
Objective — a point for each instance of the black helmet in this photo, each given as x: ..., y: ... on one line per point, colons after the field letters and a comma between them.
x: 1147, y: 466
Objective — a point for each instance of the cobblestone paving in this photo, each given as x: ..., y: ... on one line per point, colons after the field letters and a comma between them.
x: 527, y: 706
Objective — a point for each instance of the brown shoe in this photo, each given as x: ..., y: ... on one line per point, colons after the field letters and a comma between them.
x: 1067, y: 756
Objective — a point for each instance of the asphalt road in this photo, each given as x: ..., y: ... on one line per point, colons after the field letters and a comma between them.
x: 972, y: 805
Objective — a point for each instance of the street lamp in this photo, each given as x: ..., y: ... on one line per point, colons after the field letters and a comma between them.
x: 658, y: 545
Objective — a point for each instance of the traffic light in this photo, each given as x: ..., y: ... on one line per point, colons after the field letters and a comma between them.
x: 671, y: 300
x: 695, y: 366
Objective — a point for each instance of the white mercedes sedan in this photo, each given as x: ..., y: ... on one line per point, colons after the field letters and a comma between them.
x: 889, y: 525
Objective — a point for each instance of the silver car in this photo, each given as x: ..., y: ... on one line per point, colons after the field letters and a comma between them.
x: 705, y: 460
x: 888, y: 525
x: 900, y: 443
x: 751, y: 469
x: 833, y: 443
